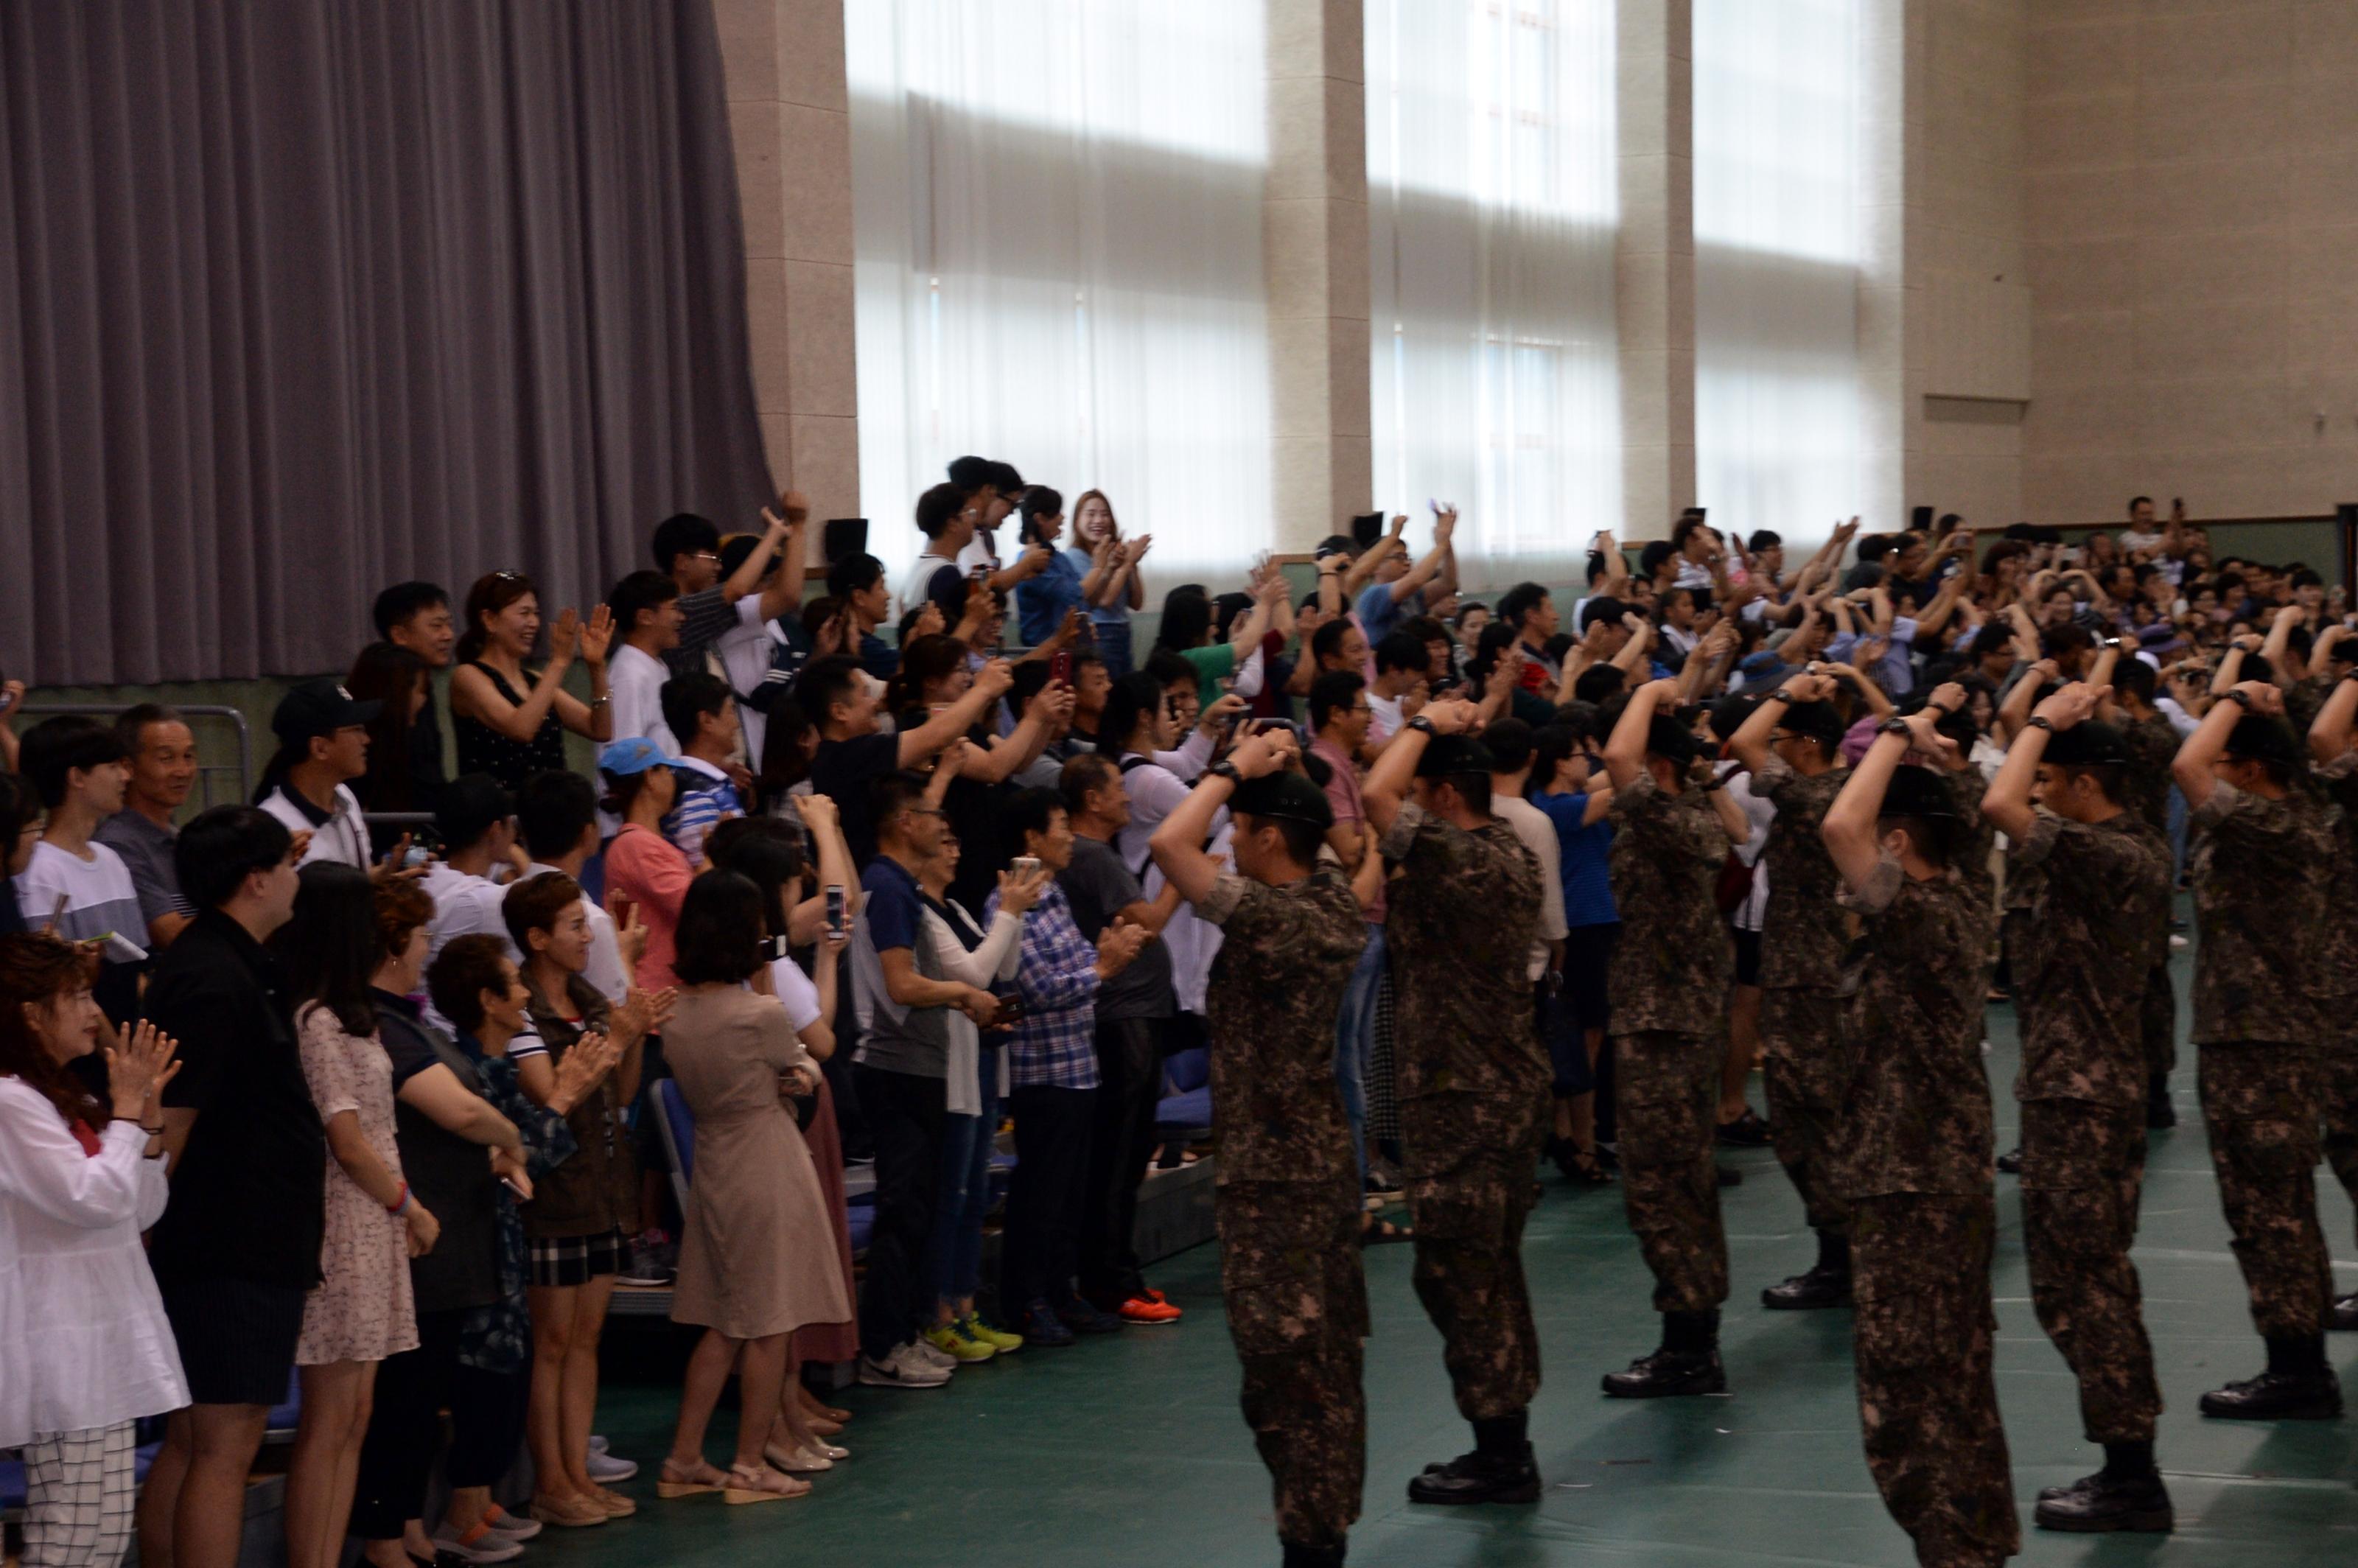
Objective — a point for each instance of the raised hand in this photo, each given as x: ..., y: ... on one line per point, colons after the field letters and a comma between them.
x: 2069, y: 706
x: 1019, y: 889
x: 794, y: 506
x: 1215, y: 717
x: 564, y: 636
x: 929, y: 619
x: 137, y: 1068
x: 585, y: 1066
x: 629, y: 931
x: 596, y: 636
x: 2264, y: 696
x: 995, y: 677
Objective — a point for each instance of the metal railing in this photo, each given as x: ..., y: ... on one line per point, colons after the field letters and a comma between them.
x: 205, y: 770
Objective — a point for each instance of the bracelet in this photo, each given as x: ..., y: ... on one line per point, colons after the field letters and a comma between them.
x: 596, y: 703
x: 398, y: 1205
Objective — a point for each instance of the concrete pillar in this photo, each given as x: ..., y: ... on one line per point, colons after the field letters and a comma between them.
x: 1654, y: 264
x: 1314, y: 247
x: 789, y: 113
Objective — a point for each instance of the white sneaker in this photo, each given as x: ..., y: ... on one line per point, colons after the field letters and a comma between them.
x: 489, y: 1545
x: 605, y: 1468
x: 932, y: 1356
x: 902, y: 1369
x: 2175, y: 940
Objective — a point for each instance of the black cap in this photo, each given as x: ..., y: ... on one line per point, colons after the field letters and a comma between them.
x: 319, y: 708
x: 1449, y: 756
x: 1669, y: 738
x: 2090, y: 744
x: 1820, y: 722
x: 1284, y: 794
x: 1918, y: 792
x: 1728, y: 714
x: 2264, y: 738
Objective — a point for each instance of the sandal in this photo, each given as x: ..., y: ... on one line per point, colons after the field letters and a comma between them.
x: 616, y: 1504
x: 759, y: 1483
x: 679, y: 1480
x: 796, y: 1461
x: 1377, y: 1233
x: 569, y: 1512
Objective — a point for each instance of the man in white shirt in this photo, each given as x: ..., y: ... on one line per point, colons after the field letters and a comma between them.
x: 2142, y: 534
x: 78, y: 888
x: 323, y: 740
x: 948, y: 519
x: 556, y: 819
x: 476, y: 822
x: 1400, y: 670
x: 645, y: 606
x: 1509, y: 741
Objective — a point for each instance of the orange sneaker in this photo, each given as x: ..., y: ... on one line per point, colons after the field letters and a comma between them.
x: 1149, y: 1308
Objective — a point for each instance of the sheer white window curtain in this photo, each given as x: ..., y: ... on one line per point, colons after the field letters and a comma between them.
x: 1057, y: 216
x: 1493, y: 195
x: 1777, y: 397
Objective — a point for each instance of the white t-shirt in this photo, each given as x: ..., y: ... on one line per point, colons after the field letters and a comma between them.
x: 1538, y: 834
x: 464, y: 905
x: 797, y: 992
x: 343, y: 837
x: 634, y: 682
x: 917, y: 587
x: 99, y: 894
x: 745, y: 651
x: 1387, y: 721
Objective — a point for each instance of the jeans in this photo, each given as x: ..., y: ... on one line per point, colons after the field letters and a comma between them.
x: 1129, y: 1084
x: 955, y: 1256
x: 1355, y: 1036
x: 905, y: 1114
x: 1112, y: 638
x: 1044, y: 1199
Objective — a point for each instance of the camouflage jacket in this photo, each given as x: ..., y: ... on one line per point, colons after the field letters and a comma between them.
x: 1461, y: 917
x: 2260, y: 870
x: 2084, y: 963
x: 1671, y: 965
x: 1802, y: 930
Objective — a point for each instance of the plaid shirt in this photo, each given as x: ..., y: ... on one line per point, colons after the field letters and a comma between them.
x: 1056, y: 1040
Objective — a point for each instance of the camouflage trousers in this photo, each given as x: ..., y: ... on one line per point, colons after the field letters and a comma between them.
x: 2342, y: 1115
x: 2261, y: 1101
x: 1808, y: 1071
x: 1923, y: 1336
x: 1298, y: 1311
x: 1666, y: 1087
x: 2083, y: 1168
x: 2157, y: 1019
x: 1468, y: 1216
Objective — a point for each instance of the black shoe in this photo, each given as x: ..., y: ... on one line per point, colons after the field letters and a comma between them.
x: 2100, y: 1502
x: 2011, y: 1162
x: 1729, y: 1176
x: 1747, y: 1131
x: 1820, y: 1287
x: 1479, y: 1477
x: 2159, y: 1110
x: 1299, y: 1556
x: 2314, y: 1394
x: 2344, y: 1314
x: 1666, y: 1373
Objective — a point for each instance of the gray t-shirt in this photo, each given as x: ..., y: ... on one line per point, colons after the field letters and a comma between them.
x: 145, y: 847
x: 1098, y: 885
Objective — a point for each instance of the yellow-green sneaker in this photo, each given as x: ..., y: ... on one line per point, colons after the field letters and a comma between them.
x: 974, y: 1328
x: 951, y: 1341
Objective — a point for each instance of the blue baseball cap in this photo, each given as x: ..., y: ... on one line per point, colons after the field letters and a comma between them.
x: 624, y: 758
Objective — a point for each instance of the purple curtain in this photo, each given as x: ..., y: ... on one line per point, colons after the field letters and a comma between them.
x: 300, y: 298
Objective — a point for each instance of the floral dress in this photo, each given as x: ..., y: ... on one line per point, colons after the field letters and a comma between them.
x: 362, y: 1309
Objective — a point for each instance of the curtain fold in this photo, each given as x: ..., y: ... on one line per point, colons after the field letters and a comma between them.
x: 1493, y: 199
x: 302, y: 298
x: 1777, y: 394
x: 1057, y: 211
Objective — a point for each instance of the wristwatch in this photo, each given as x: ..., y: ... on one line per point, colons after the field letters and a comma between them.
x: 2036, y: 722
x: 1780, y: 695
x: 2241, y: 699
x: 1226, y: 770
x: 1421, y: 724
x: 1893, y: 726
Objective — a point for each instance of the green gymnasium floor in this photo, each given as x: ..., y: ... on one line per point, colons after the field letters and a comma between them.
x: 1132, y: 1450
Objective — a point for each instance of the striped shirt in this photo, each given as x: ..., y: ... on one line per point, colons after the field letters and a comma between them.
x: 1056, y: 975
x: 706, y: 799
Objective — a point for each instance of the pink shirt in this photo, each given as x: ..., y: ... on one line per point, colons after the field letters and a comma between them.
x: 645, y: 867
x: 1343, y: 794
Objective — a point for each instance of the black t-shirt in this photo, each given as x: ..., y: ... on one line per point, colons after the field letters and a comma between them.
x: 843, y: 771
x: 249, y: 1192
x: 1099, y: 886
x: 451, y: 1176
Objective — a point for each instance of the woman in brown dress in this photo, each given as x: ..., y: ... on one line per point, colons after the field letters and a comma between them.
x: 755, y: 1218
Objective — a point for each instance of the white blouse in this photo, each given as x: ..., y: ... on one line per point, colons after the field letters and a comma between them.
x: 995, y: 960
x: 84, y: 1341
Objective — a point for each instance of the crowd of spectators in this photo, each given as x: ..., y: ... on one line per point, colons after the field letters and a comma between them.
x: 375, y: 1063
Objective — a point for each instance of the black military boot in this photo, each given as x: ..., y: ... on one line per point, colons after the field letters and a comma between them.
x: 1501, y: 1469
x: 2011, y: 1161
x: 2126, y: 1494
x: 1688, y: 1362
x: 1300, y: 1556
x: 2159, y: 1110
x: 1827, y: 1284
x: 2343, y: 1314
x: 2297, y: 1386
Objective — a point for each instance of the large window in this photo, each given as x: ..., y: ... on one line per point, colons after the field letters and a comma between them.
x: 1777, y: 399
x: 1492, y: 195
x: 1059, y: 259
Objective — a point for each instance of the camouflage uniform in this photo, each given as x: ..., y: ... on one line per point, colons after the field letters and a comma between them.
x: 1667, y: 980
x: 2083, y: 1089
x: 1917, y: 1174
x: 2260, y: 870
x: 1473, y: 1093
x: 1802, y: 936
x: 1287, y: 1202
x: 2153, y: 745
x: 2339, y: 779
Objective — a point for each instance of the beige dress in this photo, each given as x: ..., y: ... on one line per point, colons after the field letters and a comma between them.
x: 362, y: 1310
x: 759, y: 1256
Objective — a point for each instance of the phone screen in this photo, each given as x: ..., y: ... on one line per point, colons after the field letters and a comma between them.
x: 834, y: 908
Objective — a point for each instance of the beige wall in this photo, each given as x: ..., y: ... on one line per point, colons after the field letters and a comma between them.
x: 2192, y: 186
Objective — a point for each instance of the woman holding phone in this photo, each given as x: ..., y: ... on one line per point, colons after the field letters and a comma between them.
x: 84, y: 1348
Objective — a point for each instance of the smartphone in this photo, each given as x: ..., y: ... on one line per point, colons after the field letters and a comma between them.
x: 1060, y: 668
x: 1025, y: 865
x: 1920, y: 519
x: 835, y: 908
x: 774, y: 949
x: 1367, y: 528
x: 1011, y: 1008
